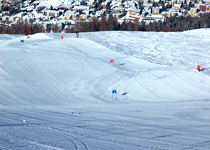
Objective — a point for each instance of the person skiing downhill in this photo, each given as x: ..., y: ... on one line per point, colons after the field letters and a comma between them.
x: 77, y: 34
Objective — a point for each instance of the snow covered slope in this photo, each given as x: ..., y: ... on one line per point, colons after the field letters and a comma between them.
x: 57, y: 94
x: 49, y: 71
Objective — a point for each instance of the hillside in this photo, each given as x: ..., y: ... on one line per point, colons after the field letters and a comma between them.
x: 58, y: 93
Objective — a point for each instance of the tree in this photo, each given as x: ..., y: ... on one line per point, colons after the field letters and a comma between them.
x: 137, y: 25
x: 94, y: 24
x: 130, y: 26
x: 103, y: 24
x: 56, y: 28
x: 123, y: 26
x: 112, y: 23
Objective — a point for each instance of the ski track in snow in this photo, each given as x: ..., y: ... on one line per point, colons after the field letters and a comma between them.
x: 57, y: 94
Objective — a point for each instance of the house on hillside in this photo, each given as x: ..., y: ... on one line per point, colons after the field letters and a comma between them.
x: 99, y: 13
x: 78, y: 2
x: 12, y: 18
x: 70, y: 13
x: 90, y: 2
x: 75, y: 16
x: 170, y: 14
x: 156, y: 17
x: 15, y: 2
x: 82, y: 7
x: 51, y: 13
x: 202, y: 7
x: 83, y: 17
x: 155, y: 10
x: 4, y: 18
x: 69, y: 2
x: 207, y: 1
x: 134, y: 12
x: 148, y: 5
x: 193, y: 10
x: 105, y: 4
x: 121, y: 1
x: 66, y: 6
x: 20, y: 15
x: 176, y: 7
x: 118, y: 12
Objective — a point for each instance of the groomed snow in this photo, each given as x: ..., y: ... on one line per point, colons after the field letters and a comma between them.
x: 57, y: 94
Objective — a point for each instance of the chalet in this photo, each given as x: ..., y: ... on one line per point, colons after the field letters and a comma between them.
x: 104, y: 5
x: 90, y: 2
x: 99, y: 13
x: 135, y: 13
x: 121, y: 6
x: 121, y: 1
x: 47, y: 18
x: 69, y: 13
x: 4, y: 18
x: 170, y: 14
x: 155, y: 10
x: 75, y: 16
x: 148, y: 5
x: 131, y: 4
x: 69, y: 2
x: 201, y: 7
x: 35, y: 3
x: 117, y: 15
x: 193, y: 10
x: 116, y: 10
x: 87, y: 12
x: 20, y: 15
x: 82, y: 7
x: 157, y: 1
x: 51, y: 13
x: 78, y: 2
x: 12, y: 18
x: 67, y: 17
x: 126, y: 5
x: 144, y: 14
x: 67, y: 6
x: 148, y: 20
x: 157, y: 18
x: 207, y: 1
x: 15, y: 2
x: 28, y: 1
x: 177, y: 7
x: 83, y: 17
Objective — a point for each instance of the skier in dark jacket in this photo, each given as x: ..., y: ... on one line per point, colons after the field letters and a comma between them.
x: 77, y: 34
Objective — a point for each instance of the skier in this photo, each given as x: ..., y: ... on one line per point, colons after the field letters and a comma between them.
x: 77, y: 34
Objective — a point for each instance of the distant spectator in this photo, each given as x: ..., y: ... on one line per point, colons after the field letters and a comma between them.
x: 77, y: 34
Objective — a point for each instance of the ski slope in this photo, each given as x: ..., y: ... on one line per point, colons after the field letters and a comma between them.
x: 57, y: 93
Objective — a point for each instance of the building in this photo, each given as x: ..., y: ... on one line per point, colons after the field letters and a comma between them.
x: 51, y: 13
x: 15, y: 2
x: 201, y: 7
x: 135, y: 13
x: 155, y: 10
x: 83, y: 17
x: 193, y: 10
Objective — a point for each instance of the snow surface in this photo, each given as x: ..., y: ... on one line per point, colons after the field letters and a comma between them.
x: 57, y: 94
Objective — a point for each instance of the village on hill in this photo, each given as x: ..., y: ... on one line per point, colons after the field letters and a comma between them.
x: 66, y: 13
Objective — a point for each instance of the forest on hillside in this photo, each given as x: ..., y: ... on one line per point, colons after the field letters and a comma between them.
x: 172, y: 24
